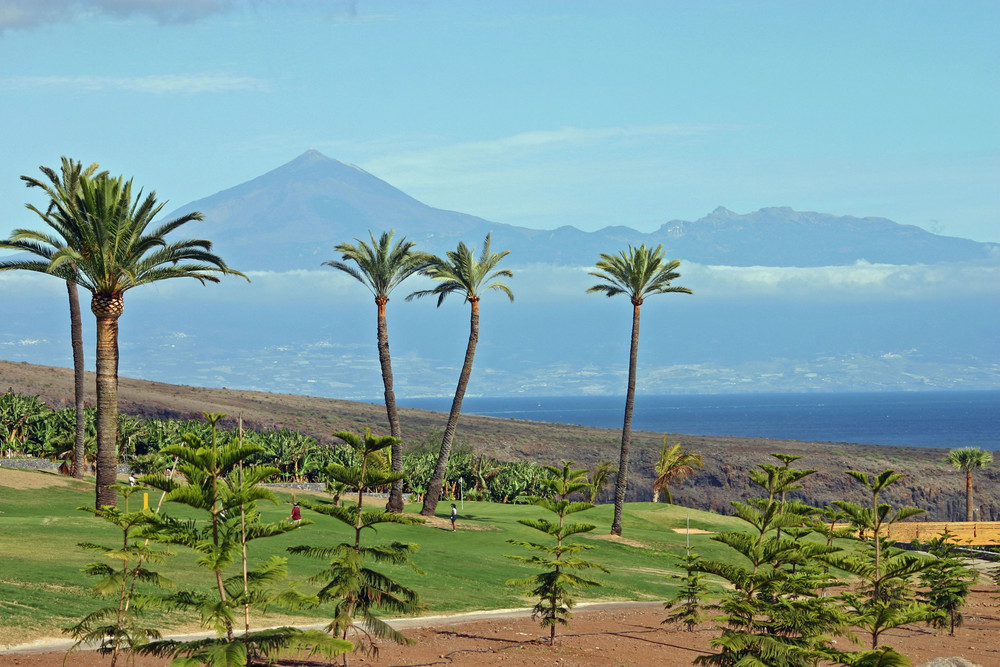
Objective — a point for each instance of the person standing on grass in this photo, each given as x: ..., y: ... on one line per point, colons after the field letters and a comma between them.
x: 454, y: 515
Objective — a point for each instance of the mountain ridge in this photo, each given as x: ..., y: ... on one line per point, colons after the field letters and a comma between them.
x: 294, y: 215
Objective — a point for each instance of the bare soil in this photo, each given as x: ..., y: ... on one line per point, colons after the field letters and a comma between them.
x: 622, y: 635
x: 599, y: 635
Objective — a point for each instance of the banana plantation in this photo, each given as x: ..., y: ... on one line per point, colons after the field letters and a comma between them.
x: 29, y: 428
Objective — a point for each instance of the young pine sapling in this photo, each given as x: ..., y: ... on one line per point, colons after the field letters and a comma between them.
x: 356, y: 590
x: 553, y: 587
x: 119, y: 628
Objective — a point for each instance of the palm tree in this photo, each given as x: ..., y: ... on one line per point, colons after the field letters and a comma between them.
x: 111, y: 251
x: 674, y: 465
x: 968, y: 459
x: 599, y: 478
x: 381, y: 267
x: 637, y: 273
x: 461, y: 273
x: 59, y: 189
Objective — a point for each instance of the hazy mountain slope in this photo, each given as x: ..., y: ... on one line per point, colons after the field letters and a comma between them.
x: 783, y: 237
x: 292, y: 217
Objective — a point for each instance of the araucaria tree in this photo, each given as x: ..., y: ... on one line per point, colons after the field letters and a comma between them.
x: 461, y: 273
x: 119, y: 628
x: 772, y: 612
x: 685, y: 607
x: 553, y: 587
x: 968, y: 459
x: 109, y: 249
x: 349, y: 583
x: 220, y: 486
x: 947, y: 582
x: 61, y: 189
x: 381, y: 267
x: 886, y: 598
x: 637, y: 273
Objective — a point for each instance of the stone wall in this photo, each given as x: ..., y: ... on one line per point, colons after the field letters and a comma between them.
x: 45, y: 464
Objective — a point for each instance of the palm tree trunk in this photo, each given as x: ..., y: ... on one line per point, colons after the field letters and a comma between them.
x: 76, y: 336
x: 968, y: 495
x: 395, y: 503
x: 437, y: 479
x: 616, y: 525
x: 107, y: 400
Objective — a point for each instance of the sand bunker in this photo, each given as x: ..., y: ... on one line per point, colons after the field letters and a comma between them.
x: 693, y: 531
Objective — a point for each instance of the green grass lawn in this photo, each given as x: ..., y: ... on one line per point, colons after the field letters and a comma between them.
x: 42, y: 589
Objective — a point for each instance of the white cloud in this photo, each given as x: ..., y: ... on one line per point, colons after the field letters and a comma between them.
x: 27, y: 14
x: 510, y: 151
x: 34, y: 13
x: 860, y: 281
x: 162, y: 84
x: 541, y: 284
x: 18, y: 283
x: 544, y: 283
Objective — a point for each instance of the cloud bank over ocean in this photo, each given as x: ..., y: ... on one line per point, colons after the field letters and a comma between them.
x: 860, y: 327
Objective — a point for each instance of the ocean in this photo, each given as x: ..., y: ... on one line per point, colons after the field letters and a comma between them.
x: 946, y: 419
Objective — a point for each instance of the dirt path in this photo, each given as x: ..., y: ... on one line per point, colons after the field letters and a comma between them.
x: 605, y: 634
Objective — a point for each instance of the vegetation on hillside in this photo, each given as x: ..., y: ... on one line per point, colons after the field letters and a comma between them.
x: 29, y: 427
x: 778, y: 600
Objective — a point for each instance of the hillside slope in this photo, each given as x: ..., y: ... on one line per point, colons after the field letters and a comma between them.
x: 929, y: 483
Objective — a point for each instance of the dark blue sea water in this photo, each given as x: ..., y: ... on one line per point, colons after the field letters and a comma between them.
x: 924, y: 419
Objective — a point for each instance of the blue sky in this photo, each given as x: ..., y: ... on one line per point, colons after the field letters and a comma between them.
x: 539, y: 114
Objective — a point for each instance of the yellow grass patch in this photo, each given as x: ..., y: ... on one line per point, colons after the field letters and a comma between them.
x: 30, y: 479
x: 619, y: 539
x: 964, y: 532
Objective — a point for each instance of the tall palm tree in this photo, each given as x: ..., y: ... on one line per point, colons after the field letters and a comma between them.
x: 60, y: 188
x: 461, y: 273
x: 968, y: 459
x: 113, y: 250
x: 637, y: 273
x: 381, y: 267
x: 675, y: 465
